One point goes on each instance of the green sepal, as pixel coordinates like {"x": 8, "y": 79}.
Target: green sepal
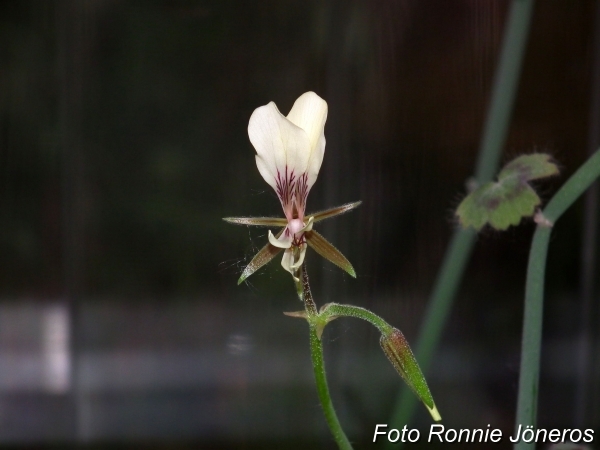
{"x": 257, "y": 221}
{"x": 328, "y": 251}
{"x": 332, "y": 212}
{"x": 266, "y": 254}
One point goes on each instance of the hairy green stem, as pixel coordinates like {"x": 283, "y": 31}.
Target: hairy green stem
{"x": 534, "y": 293}
{"x": 316, "y": 354}
{"x": 333, "y": 310}
{"x": 492, "y": 142}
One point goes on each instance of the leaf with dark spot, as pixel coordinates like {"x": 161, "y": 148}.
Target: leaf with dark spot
{"x": 505, "y": 202}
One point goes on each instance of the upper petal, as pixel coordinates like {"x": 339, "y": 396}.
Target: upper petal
{"x": 279, "y": 144}
{"x": 310, "y": 113}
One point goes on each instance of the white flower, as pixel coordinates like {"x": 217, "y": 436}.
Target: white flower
{"x": 290, "y": 151}
{"x": 289, "y": 155}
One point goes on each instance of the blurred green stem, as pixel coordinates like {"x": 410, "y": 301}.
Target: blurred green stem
{"x": 534, "y": 293}
{"x": 461, "y": 245}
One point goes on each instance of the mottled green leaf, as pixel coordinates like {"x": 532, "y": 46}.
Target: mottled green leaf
{"x": 529, "y": 167}
{"x": 505, "y": 202}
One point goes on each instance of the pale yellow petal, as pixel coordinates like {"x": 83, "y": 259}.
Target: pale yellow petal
{"x": 284, "y": 241}
{"x": 288, "y": 260}
{"x": 309, "y": 224}
{"x": 298, "y": 263}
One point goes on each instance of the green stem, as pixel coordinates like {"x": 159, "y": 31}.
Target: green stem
{"x": 333, "y": 310}
{"x": 316, "y": 353}
{"x": 492, "y": 142}
{"x": 534, "y": 293}
{"x": 309, "y": 303}
{"x": 579, "y": 182}
{"x": 532, "y": 332}
{"x": 506, "y": 82}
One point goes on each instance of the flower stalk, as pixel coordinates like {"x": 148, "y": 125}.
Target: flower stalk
{"x": 534, "y": 292}
{"x": 316, "y": 353}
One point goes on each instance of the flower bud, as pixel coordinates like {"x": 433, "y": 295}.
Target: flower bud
{"x": 396, "y": 348}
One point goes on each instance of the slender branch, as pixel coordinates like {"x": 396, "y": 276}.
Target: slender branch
{"x": 493, "y": 139}
{"x": 534, "y": 294}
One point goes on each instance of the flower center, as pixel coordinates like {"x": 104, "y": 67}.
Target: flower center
{"x": 295, "y": 225}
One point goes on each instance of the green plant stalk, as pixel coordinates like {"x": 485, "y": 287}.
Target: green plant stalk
{"x": 534, "y": 293}
{"x": 461, "y": 246}
{"x": 504, "y": 92}
{"x": 333, "y": 310}
{"x": 532, "y": 332}
{"x": 316, "y": 354}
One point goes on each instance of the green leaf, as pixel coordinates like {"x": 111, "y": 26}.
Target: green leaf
{"x": 529, "y": 167}
{"x": 505, "y": 202}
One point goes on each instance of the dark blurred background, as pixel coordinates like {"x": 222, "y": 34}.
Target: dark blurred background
{"x": 123, "y": 143}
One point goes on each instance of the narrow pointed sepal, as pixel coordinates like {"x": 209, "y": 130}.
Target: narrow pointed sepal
{"x": 396, "y": 348}
{"x": 257, "y": 221}
{"x": 332, "y": 212}
{"x": 266, "y": 254}
{"x": 326, "y": 249}
{"x": 298, "y": 314}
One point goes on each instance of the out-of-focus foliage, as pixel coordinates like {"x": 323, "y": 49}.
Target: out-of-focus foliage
{"x": 505, "y": 202}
